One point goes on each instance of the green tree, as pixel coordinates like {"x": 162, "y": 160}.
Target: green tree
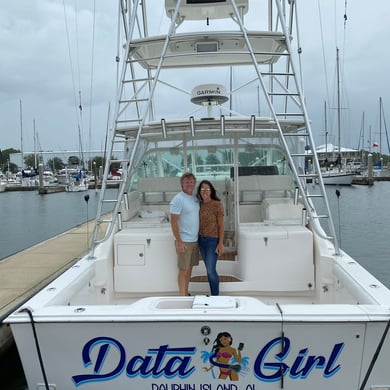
{"x": 212, "y": 159}
{"x": 73, "y": 160}
{"x": 29, "y": 160}
{"x": 5, "y": 160}
{"x": 55, "y": 163}
{"x": 98, "y": 160}
{"x": 13, "y": 168}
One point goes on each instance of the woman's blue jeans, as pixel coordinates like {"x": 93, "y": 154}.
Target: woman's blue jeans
{"x": 207, "y": 248}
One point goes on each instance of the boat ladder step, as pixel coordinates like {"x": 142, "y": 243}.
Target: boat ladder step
{"x": 301, "y": 154}
{"x": 133, "y": 100}
{"x": 309, "y": 175}
{"x": 277, "y": 74}
{"x": 120, "y": 140}
{"x": 100, "y": 221}
{"x": 283, "y": 93}
{"x": 278, "y": 114}
{"x": 119, "y": 161}
{"x": 109, "y": 200}
{"x": 140, "y": 80}
{"x": 296, "y": 134}
{"x": 323, "y": 216}
{"x": 128, "y": 121}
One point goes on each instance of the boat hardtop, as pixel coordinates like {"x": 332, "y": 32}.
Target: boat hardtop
{"x": 212, "y": 88}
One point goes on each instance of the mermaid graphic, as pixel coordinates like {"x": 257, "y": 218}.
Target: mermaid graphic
{"x": 225, "y": 357}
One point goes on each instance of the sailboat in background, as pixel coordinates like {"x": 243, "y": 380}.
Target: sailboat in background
{"x": 76, "y": 179}
{"x": 379, "y": 169}
{"x": 76, "y": 183}
{"x": 337, "y": 174}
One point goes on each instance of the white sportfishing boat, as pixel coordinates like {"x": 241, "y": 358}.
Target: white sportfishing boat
{"x": 295, "y": 311}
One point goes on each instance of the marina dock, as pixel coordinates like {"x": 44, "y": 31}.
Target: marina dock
{"x": 28, "y": 271}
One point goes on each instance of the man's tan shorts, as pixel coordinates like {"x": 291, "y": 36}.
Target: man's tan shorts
{"x": 189, "y": 257}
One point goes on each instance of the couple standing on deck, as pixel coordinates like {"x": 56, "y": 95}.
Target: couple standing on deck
{"x": 197, "y": 222}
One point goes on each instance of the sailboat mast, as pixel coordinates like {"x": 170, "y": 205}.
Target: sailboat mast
{"x": 35, "y": 146}
{"x": 326, "y": 129}
{"x": 380, "y": 127}
{"x": 338, "y": 102}
{"x": 364, "y": 126}
{"x": 21, "y": 132}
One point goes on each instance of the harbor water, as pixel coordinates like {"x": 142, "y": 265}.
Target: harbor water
{"x": 28, "y": 218}
{"x": 361, "y": 215}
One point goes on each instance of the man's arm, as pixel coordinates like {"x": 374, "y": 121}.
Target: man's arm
{"x": 180, "y": 246}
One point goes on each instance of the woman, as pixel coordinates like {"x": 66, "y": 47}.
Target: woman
{"x": 227, "y": 358}
{"x": 211, "y": 231}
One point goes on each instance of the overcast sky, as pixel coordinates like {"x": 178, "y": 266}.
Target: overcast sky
{"x": 39, "y": 69}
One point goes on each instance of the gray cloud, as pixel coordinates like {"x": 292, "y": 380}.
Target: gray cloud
{"x": 35, "y": 67}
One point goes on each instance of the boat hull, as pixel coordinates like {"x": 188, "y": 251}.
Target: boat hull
{"x": 171, "y": 354}
{"x": 295, "y": 312}
{"x": 338, "y": 178}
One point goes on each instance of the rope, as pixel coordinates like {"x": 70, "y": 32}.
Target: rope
{"x": 78, "y": 104}
{"x": 384, "y": 124}
{"x": 345, "y": 14}
{"x": 92, "y": 74}
{"x": 343, "y": 96}
{"x": 323, "y": 52}
{"x": 28, "y": 311}
{"x": 294, "y": 5}
{"x": 70, "y": 61}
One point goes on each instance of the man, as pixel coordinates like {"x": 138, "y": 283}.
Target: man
{"x": 184, "y": 210}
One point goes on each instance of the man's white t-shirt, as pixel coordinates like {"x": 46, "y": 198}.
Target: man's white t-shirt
{"x": 187, "y": 206}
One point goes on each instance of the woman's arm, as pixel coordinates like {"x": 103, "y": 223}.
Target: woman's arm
{"x": 221, "y": 231}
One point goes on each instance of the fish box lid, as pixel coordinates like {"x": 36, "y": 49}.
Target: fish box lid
{"x": 214, "y": 302}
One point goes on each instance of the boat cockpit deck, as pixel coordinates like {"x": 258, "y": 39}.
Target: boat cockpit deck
{"x": 270, "y": 238}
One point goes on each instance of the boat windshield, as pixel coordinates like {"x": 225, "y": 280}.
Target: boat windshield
{"x": 212, "y": 162}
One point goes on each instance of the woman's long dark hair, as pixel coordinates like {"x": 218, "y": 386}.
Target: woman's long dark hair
{"x": 217, "y": 343}
{"x": 213, "y": 194}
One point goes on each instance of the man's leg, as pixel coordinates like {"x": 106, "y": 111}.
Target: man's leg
{"x": 182, "y": 281}
{"x": 189, "y": 273}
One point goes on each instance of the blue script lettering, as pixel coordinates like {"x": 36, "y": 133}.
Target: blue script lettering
{"x": 159, "y": 365}
{"x": 272, "y": 370}
{"x": 104, "y": 343}
{"x": 166, "y": 361}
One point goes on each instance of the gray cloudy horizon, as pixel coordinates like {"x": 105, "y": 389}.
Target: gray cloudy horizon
{"x": 35, "y": 69}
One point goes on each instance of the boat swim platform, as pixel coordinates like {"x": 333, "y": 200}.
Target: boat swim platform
{"x": 28, "y": 271}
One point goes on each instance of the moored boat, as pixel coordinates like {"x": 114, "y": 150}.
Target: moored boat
{"x": 77, "y": 182}
{"x": 3, "y": 182}
{"x": 294, "y": 310}
{"x": 335, "y": 177}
